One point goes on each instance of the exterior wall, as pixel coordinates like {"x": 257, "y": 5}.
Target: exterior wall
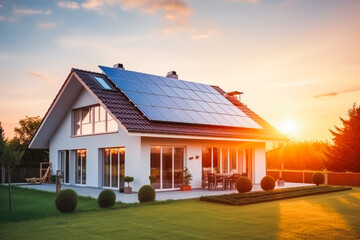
{"x": 63, "y": 140}
{"x": 193, "y": 148}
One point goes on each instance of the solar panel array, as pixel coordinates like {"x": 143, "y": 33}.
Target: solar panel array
{"x": 171, "y": 100}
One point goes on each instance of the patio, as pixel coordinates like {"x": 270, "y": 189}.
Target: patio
{"x": 160, "y": 196}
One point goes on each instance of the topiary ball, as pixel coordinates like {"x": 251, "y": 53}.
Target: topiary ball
{"x": 146, "y": 194}
{"x": 318, "y": 178}
{"x": 243, "y": 185}
{"x": 66, "y": 200}
{"x": 106, "y": 198}
{"x": 267, "y": 183}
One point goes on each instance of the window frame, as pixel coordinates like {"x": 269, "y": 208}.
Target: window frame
{"x": 77, "y": 114}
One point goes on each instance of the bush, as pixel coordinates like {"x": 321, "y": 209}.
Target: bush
{"x": 146, "y": 194}
{"x": 128, "y": 180}
{"x": 106, "y": 198}
{"x": 66, "y": 200}
{"x": 318, "y": 178}
{"x": 243, "y": 185}
{"x": 121, "y": 189}
{"x": 267, "y": 183}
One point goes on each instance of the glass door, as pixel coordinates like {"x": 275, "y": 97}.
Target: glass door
{"x": 167, "y": 165}
{"x": 113, "y": 167}
{"x": 80, "y": 167}
{"x": 64, "y": 165}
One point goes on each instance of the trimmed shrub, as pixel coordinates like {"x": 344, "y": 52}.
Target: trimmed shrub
{"x": 267, "y": 183}
{"x": 106, "y": 198}
{"x": 66, "y": 200}
{"x": 146, "y": 194}
{"x": 243, "y": 185}
{"x": 318, "y": 178}
{"x": 121, "y": 189}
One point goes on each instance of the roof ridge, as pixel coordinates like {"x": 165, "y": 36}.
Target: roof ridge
{"x": 87, "y": 71}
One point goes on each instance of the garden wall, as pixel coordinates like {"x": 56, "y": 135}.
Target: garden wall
{"x": 331, "y": 178}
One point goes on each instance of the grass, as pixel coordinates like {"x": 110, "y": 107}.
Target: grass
{"x": 277, "y": 194}
{"x": 326, "y": 216}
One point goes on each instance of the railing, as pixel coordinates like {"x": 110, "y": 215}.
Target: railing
{"x": 331, "y": 178}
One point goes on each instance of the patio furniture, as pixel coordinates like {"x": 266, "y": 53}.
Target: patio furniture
{"x": 204, "y": 181}
{"x": 210, "y": 180}
{"x": 233, "y": 180}
{"x": 43, "y": 177}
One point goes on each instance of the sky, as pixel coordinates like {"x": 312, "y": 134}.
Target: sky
{"x": 297, "y": 61}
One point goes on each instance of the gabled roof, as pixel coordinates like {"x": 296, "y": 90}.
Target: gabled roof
{"x": 135, "y": 122}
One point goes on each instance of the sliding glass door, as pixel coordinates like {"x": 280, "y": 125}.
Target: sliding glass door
{"x": 167, "y": 164}
{"x": 113, "y": 167}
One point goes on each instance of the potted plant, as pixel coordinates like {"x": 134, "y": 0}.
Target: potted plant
{"x": 280, "y": 182}
{"x": 152, "y": 179}
{"x": 128, "y": 180}
{"x": 187, "y": 177}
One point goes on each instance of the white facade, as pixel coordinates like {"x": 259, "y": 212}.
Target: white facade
{"x": 137, "y": 150}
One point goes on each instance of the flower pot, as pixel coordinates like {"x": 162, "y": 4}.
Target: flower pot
{"x": 280, "y": 183}
{"x": 127, "y": 190}
{"x": 185, "y": 188}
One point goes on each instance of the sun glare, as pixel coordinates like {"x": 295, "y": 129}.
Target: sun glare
{"x": 289, "y": 127}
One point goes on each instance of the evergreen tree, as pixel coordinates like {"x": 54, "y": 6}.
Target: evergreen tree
{"x": 344, "y": 154}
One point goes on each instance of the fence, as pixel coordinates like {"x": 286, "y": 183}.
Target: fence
{"x": 331, "y": 178}
{"x": 18, "y": 175}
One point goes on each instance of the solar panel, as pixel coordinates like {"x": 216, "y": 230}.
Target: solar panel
{"x": 170, "y": 100}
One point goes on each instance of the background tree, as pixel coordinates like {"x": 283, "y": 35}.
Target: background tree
{"x": 23, "y": 134}
{"x": 297, "y": 155}
{"x": 2, "y": 140}
{"x": 344, "y": 154}
{"x": 10, "y": 158}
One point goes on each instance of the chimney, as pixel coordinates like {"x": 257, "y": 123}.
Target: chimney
{"x": 119, "y": 65}
{"x": 235, "y": 94}
{"x": 172, "y": 74}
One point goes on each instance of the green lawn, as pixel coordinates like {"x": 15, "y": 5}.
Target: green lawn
{"x": 326, "y": 216}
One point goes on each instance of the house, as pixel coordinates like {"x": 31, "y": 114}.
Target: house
{"x": 103, "y": 126}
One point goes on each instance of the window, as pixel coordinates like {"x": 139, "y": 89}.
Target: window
{"x": 226, "y": 160}
{"x": 103, "y": 83}
{"x": 93, "y": 120}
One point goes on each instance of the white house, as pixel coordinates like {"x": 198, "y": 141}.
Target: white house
{"x": 103, "y": 126}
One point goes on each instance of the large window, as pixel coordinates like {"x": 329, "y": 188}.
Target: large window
{"x": 93, "y": 120}
{"x": 80, "y": 167}
{"x": 113, "y": 167}
{"x": 226, "y": 160}
{"x": 167, "y": 164}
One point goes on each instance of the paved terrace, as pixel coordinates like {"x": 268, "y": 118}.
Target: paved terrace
{"x": 160, "y": 196}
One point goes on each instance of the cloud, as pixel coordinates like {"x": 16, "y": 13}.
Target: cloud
{"x": 26, "y": 11}
{"x": 332, "y": 94}
{"x": 2, "y": 18}
{"x": 176, "y": 11}
{"x": 68, "y": 5}
{"x": 43, "y": 76}
{"x": 46, "y": 25}
{"x": 1, "y": 6}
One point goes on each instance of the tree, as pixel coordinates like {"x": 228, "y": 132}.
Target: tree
{"x": 10, "y": 158}
{"x": 297, "y": 155}
{"x": 23, "y": 135}
{"x": 344, "y": 154}
{"x": 2, "y": 140}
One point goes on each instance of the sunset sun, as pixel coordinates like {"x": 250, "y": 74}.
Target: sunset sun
{"x": 289, "y": 127}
